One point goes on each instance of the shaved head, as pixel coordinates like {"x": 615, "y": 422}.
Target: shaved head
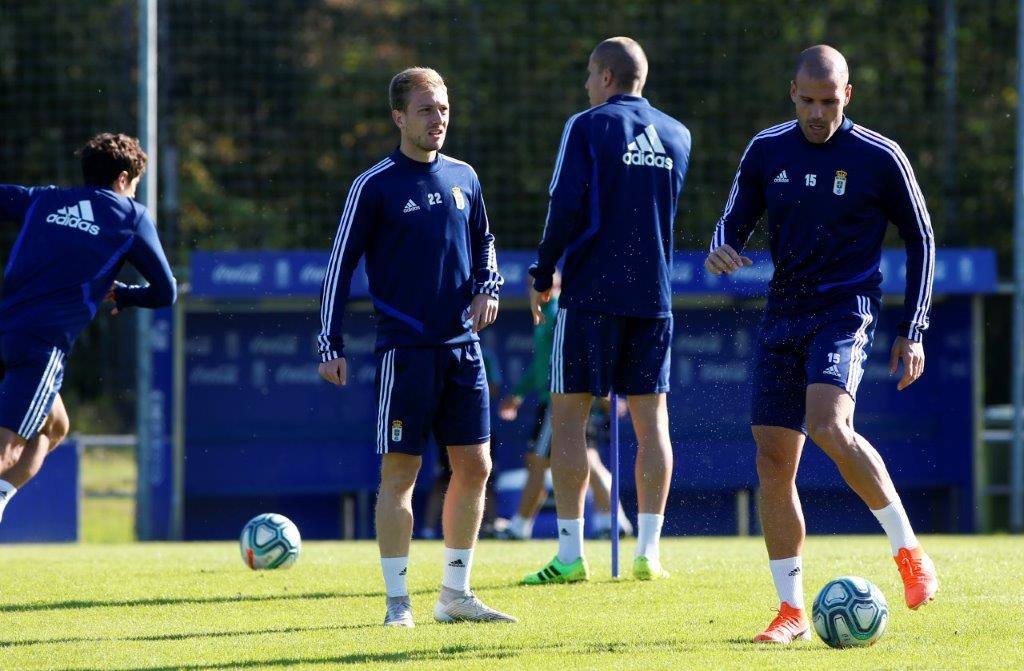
{"x": 821, "y": 91}
{"x": 626, "y": 61}
{"x": 822, "y": 62}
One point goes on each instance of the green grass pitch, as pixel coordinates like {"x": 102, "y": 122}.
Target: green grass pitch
{"x": 195, "y": 606}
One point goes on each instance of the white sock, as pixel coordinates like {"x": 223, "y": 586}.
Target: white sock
{"x": 520, "y": 527}
{"x": 7, "y": 492}
{"x": 896, "y": 524}
{"x": 394, "y": 569}
{"x": 602, "y": 521}
{"x": 570, "y": 540}
{"x": 457, "y": 565}
{"x": 788, "y": 575}
{"x": 648, "y": 536}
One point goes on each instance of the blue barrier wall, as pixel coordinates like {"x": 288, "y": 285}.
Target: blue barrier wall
{"x": 46, "y": 510}
{"x": 263, "y": 432}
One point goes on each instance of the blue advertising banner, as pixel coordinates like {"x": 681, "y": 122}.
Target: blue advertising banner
{"x": 263, "y": 431}
{"x": 263, "y": 428}
{"x": 48, "y": 510}
{"x": 293, "y": 274}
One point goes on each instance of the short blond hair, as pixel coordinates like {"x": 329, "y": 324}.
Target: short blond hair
{"x": 412, "y": 79}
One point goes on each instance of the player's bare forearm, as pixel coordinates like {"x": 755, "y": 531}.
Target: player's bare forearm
{"x": 725, "y": 259}
{"x": 334, "y": 371}
{"x": 483, "y": 311}
{"x": 912, "y": 355}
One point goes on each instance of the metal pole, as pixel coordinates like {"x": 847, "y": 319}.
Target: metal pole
{"x": 949, "y": 72}
{"x": 614, "y": 459}
{"x": 147, "y": 196}
{"x": 1017, "y": 456}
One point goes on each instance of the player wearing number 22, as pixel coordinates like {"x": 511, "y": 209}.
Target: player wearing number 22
{"x": 829, "y": 188}
{"x": 418, "y": 217}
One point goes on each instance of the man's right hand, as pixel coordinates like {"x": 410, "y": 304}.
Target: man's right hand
{"x": 508, "y": 409}
{"x": 538, "y": 298}
{"x": 725, "y": 260}
{"x": 334, "y": 371}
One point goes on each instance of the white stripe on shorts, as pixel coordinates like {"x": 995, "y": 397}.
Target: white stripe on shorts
{"x": 387, "y": 383}
{"x": 557, "y": 381}
{"x": 860, "y": 339}
{"x": 32, "y": 420}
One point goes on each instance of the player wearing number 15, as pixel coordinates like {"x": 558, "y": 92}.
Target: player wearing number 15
{"x": 418, "y": 216}
{"x": 829, "y": 188}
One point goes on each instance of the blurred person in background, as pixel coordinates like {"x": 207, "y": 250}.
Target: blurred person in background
{"x": 443, "y": 470}
{"x": 538, "y": 457}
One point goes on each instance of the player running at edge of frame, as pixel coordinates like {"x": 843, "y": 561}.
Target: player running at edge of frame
{"x": 617, "y": 179}
{"x": 72, "y": 244}
{"x": 829, "y": 188}
{"x": 419, "y": 218}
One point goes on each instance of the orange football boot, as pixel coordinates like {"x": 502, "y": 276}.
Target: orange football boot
{"x": 789, "y": 625}
{"x": 918, "y": 572}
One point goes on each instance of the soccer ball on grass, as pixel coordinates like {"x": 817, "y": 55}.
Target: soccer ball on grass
{"x": 270, "y": 541}
{"x": 850, "y": 612}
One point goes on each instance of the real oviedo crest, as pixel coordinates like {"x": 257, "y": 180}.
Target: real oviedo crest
{"x": 839, "y": 186}
{"x": 460, "y": 199}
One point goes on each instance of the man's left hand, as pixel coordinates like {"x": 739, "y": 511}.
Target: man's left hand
{"x": 912, "y": 355}
{"x": 483, "y": 311}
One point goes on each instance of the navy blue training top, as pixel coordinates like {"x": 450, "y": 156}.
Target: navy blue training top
{"x": 423, "y": 229}
{"x": 72, "y": 244}
{"x": 828, "y": 206}
{"x": 618, "y": 175}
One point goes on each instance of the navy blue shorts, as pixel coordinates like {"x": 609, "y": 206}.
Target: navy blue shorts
{"x": 793, "y": 351}
{"x": 596, "y": 352}
{"x": 31, "y": 372}
{"x": 424, "y": 390}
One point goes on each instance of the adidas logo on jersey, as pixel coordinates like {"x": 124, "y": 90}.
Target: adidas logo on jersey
{"x": 781, "y": 178}
{"x": 410, "y": 207}
{"x": 647, "y": 149}
{"x": 832, "y": 370}
{"x": 78, "y": 216}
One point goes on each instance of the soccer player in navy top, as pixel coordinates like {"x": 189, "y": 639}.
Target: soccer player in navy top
{"x": 71, "y": 246}
{"x": 418, "y": 217}
{"x": 829, "y": 188}
{"x": 618, "y": 175}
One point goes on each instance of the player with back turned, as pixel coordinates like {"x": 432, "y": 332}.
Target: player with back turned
{"x": 829, "y": 188}
{"x": 72, "y": 244}
{"x": 618, "y": 176}
{"x": 418, "y": 217}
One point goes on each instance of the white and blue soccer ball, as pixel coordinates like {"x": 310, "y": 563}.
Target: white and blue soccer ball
{"x": 850, "y": 612}
{"x": 270, "y": 541}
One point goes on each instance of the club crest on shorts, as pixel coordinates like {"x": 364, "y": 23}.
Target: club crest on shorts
{"x": 396, "y": 431}
{"x": 839, "y": 186}
{"x": 460, "y": 199}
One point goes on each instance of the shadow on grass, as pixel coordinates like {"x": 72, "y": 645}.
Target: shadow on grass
{"x": 444, "y": 654}
{"x": 75, "y": 604}
{"x": 749, "y": 644}
{"x": 181, "y": 636}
